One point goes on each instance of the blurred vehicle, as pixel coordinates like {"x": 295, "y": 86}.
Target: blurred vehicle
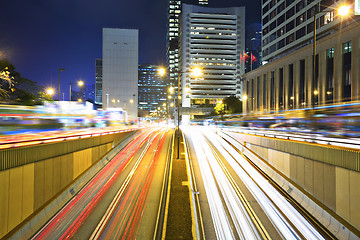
{"x": 333, "y": 120}
{"x": 51, "y": 115}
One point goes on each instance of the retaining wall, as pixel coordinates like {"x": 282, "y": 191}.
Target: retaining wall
{"x": 32, "y": 176}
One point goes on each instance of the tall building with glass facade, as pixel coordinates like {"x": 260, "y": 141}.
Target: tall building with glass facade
{"x": 152, "y": 90}
{"x": 212, "y": 39}
{"x": 120, "y": 70}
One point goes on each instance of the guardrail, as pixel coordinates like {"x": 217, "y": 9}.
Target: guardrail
{"x": 29, "y": 151}
{"x": 333, "y": 155}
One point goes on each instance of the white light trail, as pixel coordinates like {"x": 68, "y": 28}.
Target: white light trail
{"x": 263, "y": 190}
{"x": 208, "y": 165}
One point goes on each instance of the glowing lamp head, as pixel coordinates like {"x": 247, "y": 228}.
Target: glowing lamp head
{"x": 161, "y": 71}
{"x": 196, "y": 72}
{"x": 80, "y": 83}
{"x": 344, "y": 10}
{"x": 245, "y": 97}
{"x": 50, "y": 91}
{"x": 316, "y": 92}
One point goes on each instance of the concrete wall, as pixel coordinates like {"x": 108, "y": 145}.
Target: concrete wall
{"x": 335, "y": 187}
{"x": 27, "y": 188}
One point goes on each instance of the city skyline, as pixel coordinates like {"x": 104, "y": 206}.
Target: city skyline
{"x": 45, "y": 36}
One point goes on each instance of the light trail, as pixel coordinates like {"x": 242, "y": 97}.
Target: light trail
{"x": 226, "y": 208}
{"x": 68, "y": 220}
{"x": 124, "y": 214}
{"x": 217, "y": 188}
{"x": 262, "y": 190}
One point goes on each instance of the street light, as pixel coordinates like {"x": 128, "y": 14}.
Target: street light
{"x": 342, "y": 11}
{"x": 60, "y": 70}
{"x": 50, "y": 91}
{"x": 161, "y": 71}
{"x": 196, "y": 72}
{"x": 80, "y": 84}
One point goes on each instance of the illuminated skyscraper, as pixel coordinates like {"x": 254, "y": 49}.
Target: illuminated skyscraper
{"x": 152, "y": 90}
{"x": 212, "y": 39}
{"x": 98, "y": 81}
{"x": 174, "y": 12}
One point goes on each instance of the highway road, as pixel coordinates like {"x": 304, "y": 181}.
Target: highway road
{"x": 232, "y": 199}
{"x": 235, "y": 201}
{"x": 124, "y": 200}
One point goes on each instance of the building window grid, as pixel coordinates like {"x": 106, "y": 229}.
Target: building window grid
{"x": 306, "y": 21}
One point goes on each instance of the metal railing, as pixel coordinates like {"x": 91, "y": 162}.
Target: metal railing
{"x": 42, "y": 150}
{"x": 333, "y": 155}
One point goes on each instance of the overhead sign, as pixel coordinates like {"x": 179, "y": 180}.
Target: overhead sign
{"x": 357, "y": 7}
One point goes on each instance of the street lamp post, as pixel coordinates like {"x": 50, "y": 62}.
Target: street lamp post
{"x": 196, "y": 72}
{"x": 107, "y": 100}
{"x": 60, "y": 70}
{"x": 70, "y": 93}
{"x": 178, "y": 118}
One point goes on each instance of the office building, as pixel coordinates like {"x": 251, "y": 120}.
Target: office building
{"x": 289, "y": 24}
{"x": 212, "y": 39}
{"x": 172, "y": 52}
{"x": 120, "y": 70}
{"x": 98, "y": 81}
{"x": 152, "y": 91}
{"x": 301, "y": 73}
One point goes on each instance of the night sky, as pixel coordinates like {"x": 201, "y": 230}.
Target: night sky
{"x": 39, "y": 36}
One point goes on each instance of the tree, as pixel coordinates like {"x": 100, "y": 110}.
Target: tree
{"x": 228, "y": 105}
{"x": 233, "y": 105}
{"x": 220, "y": 108}
{"x": 16, "y": 89}
{"x": 6, "y": 82}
